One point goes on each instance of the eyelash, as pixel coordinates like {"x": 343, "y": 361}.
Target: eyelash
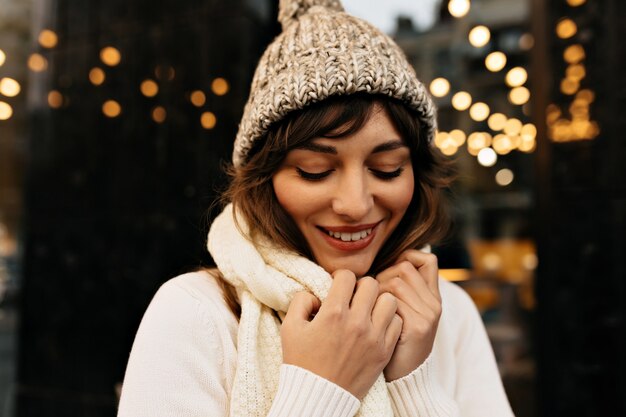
{"x": 383, "y": 175}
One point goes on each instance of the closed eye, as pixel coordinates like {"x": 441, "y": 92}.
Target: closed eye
{"x": 387, "y": 175}
{"x": 313, "y": 176}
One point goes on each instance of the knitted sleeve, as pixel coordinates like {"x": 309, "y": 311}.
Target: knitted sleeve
{"x": 181, "y": 363}
{"x": 478, "y": 391}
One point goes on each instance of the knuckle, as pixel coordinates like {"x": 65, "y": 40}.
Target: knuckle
{"x": 344, "y": 274}
{"x": 396, "y": 284}
{"x": 406, "y": 267}
{"x": 359, "y": 328}
{"x": 335, "y": 312}
{"x": 368, "y": 282}
{"x": 431, "y": 258}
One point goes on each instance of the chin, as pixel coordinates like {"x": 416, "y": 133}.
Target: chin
{"x": 359, "y": 267}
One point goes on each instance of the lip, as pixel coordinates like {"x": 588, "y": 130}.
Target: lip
{"x": 350, "y": 246}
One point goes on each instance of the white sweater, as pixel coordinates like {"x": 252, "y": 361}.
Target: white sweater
{"x": 184, "y": 358}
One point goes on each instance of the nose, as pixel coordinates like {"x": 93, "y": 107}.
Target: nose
{"x": 353, "y": 198}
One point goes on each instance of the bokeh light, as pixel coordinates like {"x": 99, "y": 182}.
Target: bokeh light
{"x": 569, "y": 86}
{"x": 576, "y": 3}
{"x": 487, "y": 157}
{"x": 55, "y": 99}
{"x": 6, "y": 111}
{"x": 149, "y": 88}
{"x": 219, "y": 86}
{"x": 566, "y": 28}
{"x": 495, "y": 61}
{"x": 576, "y": 72}
{"x": 479, "y": 111}
{"x": 159, "y": 114}
{"x": 439, "y": 87}
{"x": 9, "y": 87}
{"x": 3, "y": 57}
{"x": 496, "y": 121}
{"x": 519, "y": 95}
{"x": 504, "y": 177}
{"x": 110, "y": 56}
{"x": 97, "y": 76}
{"x": 198, "y": 98}
{"x": 458, "y": 136}
{"x": 502, "y": 144}
{"x": 512, "y": 127}
{"x": 516, "y": 77}
{"x": 479, "y": 36}
{"x": 573, "y": 54}
{"x": 48, "y": 38}
{"x": 461, "y": 100}
{"x": 458, "y": 8}
{"x": 111, "y": 108}
{"x": 208, "y": 120}
{"x": 526, "y": 41}
{"x": 37, "y": 62}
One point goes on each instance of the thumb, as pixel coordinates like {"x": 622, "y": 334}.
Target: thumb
{"x": 302, "y": 306}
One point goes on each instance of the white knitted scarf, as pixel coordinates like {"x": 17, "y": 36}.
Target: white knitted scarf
{"x": 267, "y": 278}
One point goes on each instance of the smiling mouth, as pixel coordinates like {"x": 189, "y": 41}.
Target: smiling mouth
{"x": 349, "y": 237}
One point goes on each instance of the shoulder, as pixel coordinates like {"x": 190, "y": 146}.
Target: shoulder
{"x": 455, "y": 299}
{"x": 194, "y": 295}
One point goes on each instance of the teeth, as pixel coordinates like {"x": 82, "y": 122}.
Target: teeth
{"x": 350, "y": 237}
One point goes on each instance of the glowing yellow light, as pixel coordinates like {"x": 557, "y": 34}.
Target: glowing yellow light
{"x": 97, "y": 76}
{"x": 110, "y": 56}
{"x": 6, "y": 111}
{"x": 496, "y": 121}
{"x": 458, "y": 8}
{"x": 502, "y": 144}
{"x": 37, "y": 63}
{"x": 479, "y": 36}
{"x": 3, "y": 57}
{"x": 587, "y": 95}
{"x": 458, "y": 136}
{"x": 159, "y": 114}
{"x": 208, "y": 120}
{"x": 9, "y": 87}
{"x": 576, "y": 3}
{"x": 576, "y": 72}
{"x": 439, "y": 87}
{"x": 569, "y": 86}
{"x": 149, "y": 88}
{"x": 461, "y": 100}
{"x": 220, "y": 86}
{"x": 573, "y": 54}
{"x": 566, "y": 28}
{"x": 516, "y": 76}
{"x": 479, "y": 111}
{"x": 519, "y": 95}
{"x": 441, "y": 138}
{"x": 526, "y": 41}
{"x": 449, "y": 150}
{"x": 504, "y": 177}
{"x": 528, "y": 131}
{"x": 487, "y": 157}
{"x": 55, "y": 99}
{"x": 477, "y": 141}
{"x": 111, "y": 108}
{"x": 579, "y": 109}
{"x": 527, "y": 144}
{"x": 48, "y": 39}
{"x": 512, "y": 127}
{"x": 198, "y": 98}
{"x": 495, "y": 61}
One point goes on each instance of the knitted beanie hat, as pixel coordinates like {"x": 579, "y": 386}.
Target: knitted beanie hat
{"x": 323, "y": 52}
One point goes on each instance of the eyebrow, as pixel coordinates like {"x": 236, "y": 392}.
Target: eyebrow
{"x": 383, "y": 147}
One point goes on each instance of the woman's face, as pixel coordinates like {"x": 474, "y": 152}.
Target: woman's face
{"x": 347, "y": 195}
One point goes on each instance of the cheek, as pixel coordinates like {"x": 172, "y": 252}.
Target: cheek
{"x": 291, "y": 196}
{"x": 399, "y": 195}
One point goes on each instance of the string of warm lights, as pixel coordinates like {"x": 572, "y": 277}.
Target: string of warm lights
{"x": 578, "y": 126}
{"x": 507, "y": 134}
{"x": 110, "y": 57}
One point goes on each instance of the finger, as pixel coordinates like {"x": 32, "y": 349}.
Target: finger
{"x": 365, "y": 296}
{"x": 427, "y": 265}
{"x": 383, "y": 312}
{"x": 393, "y": 331}
{"x": 416, "y": 298}
{"x": 408, "y": 273}
{"x": 342, "y": 288}
{"x": 302, "y": 306}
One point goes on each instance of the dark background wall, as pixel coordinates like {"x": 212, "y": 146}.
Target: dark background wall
{"x": 116, "y": 206}
{"x": 581, "y": 221}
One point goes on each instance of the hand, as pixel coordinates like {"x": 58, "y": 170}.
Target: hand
{"x": 413, "y": 280}
{"x": 350, "y": 339}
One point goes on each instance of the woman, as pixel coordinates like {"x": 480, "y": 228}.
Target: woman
{"x": 321, "y": 305}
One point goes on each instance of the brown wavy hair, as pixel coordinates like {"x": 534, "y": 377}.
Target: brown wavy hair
{"x": 251, "y": 191}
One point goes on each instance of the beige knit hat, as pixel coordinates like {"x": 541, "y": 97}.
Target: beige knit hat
{"x": 324, "y": 52}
